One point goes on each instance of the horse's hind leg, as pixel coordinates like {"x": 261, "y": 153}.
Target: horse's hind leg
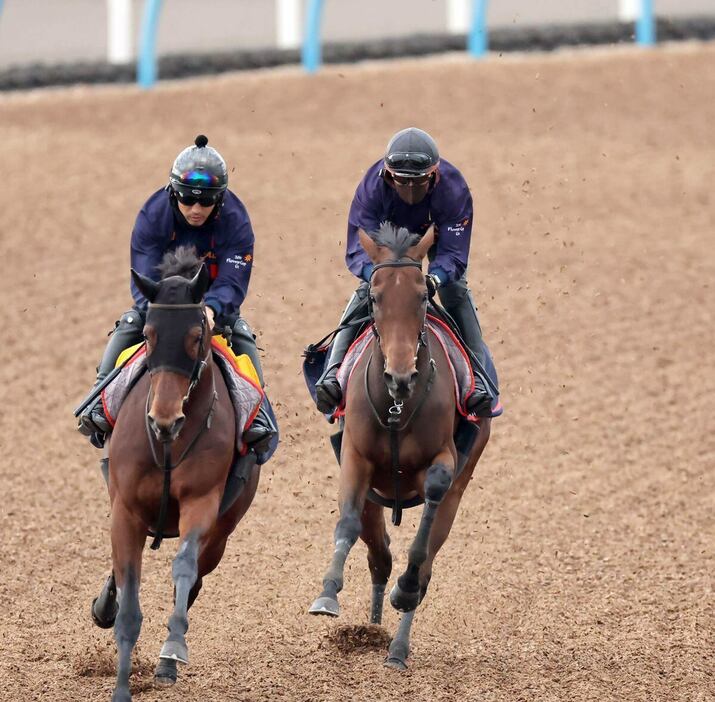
{"x": 128, "y": 537}
{"x": 379, "y": 558}
{"x": 405, "y": 595}
{"x": 355, "y": 476}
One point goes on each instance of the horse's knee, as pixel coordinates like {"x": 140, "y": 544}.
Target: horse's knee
{"x": 348, "y": 527}
{"x": 437, "y": 483}
{"x": 186, "y": 561}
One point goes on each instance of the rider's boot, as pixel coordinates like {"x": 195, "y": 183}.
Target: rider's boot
{"x": 460, "y": 306}
{"x": 127, "y": 332}
{"x": 327, "y": 389}
{"x": 258, "y": 436}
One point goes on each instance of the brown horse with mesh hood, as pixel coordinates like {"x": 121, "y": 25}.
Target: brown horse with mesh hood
{"x": 180, "y": 409}
{"x": 403, "y": 377}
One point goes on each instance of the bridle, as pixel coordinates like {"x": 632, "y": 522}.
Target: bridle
{"x": 422, "y": 339}
{"x": 180, "y": 366}
{"x": 395, "y": 411}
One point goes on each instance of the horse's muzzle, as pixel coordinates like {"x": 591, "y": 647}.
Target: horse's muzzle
{"x": 400, "y": 385}
{"x": 166, "y": 431}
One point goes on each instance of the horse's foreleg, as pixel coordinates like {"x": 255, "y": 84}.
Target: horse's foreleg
{"x": 379, "y": 558}
{"x": 195, "y": 520}
{"x": 400, "y": 645}
{"x": 448, "y": 508}
{"x": 128, "y": 537}
{"x": 355, "y": 473}
{"x": 405, "y": 595}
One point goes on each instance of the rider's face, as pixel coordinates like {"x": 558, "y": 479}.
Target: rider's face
{"x": 195, "y": 214}
{"x": 411, "y": 190}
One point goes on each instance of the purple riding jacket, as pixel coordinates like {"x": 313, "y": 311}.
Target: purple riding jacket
{"x": 448, "y": 206}
{"x": 226, "y": 241}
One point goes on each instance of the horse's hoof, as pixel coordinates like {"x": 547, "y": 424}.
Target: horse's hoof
{"x": 175, "y": 651}
{"x": 164, "y": 681}
{"x": 122, "y": 696}
{"x": 395, "y": 663}
{"x": 325, "y": 605}
{"x": 104, "y": 620}
{"x": 165, "y": 674}
{"x": 404, "y": 601}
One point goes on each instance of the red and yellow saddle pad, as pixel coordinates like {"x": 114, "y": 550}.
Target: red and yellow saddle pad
{"x": 241, "y": 363}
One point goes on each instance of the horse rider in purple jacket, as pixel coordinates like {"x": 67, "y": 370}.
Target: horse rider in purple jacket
{"x": 412, "y": 187}
{"x": 194, "y": 209}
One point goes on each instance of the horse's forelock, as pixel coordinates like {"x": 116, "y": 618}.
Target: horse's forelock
{"x": 398, "y": 240}
{"x": 183, "y": 262}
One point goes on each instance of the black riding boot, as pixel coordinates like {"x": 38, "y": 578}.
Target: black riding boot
{"x": 258, "y": 436}
{"x": 327, "y": 389}
{"x": 457, "y": 300}
{"x": 126, "y": 333}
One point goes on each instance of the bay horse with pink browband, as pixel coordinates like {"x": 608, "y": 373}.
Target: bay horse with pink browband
{"x": 177, "y": 419}
{"x": 400, "y": 400}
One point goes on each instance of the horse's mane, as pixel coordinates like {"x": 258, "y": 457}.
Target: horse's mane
{"x": 183, "y": 261}
{"x": 398, "y": 241}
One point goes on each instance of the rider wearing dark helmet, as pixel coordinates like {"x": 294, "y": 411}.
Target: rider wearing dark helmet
{"x": 412, "y": 187}
{"x": 194, "y": 209}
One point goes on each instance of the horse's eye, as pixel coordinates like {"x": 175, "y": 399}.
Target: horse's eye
{"x": 373, "y": 299}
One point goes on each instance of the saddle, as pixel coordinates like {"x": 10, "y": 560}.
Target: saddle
{"x": 238, "y": 372}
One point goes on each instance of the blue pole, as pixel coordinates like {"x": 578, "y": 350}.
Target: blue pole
{"x": 478, "y": 40}
{"x": 310, "y": 53}
{"x": 146, "y": 69}
{"x": 645, "y": 26}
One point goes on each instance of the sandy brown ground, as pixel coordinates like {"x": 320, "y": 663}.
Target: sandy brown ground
{"x": 581, "y": 564}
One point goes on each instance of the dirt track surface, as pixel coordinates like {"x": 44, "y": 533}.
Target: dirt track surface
{"x": 581, "y": 563}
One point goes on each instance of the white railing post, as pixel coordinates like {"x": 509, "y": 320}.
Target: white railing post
{"x": 119, "y": 31}
{"x": 288, "y": 24}
{"x": 458, "y": 16}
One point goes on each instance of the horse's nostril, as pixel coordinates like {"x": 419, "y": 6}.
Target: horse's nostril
{"x": 389, "y": 380}
{"x": 413, "y": 378}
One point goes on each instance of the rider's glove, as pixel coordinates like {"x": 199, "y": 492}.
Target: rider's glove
{"x": 433, "y": 282}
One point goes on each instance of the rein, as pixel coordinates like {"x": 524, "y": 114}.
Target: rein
{"x": 166, "y": 464}
{"x": 395, "y": 411}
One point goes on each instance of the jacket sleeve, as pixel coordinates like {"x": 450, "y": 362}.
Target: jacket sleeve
{"x": 146, "y": 251}
{"x": 453, "y": 227}
{"x": 235, "y": 262}
{"x": 364, "y": 214}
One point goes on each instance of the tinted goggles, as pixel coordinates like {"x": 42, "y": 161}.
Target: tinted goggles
{"x": 203, "y": 200}
{"x": 412, "y": 163}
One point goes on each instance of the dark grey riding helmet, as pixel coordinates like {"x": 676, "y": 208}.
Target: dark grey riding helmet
{"x": 411, "y": 153}
{"x": 199, "y": 174}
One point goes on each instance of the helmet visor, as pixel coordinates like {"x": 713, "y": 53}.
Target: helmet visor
{"x": 409, "y": 164}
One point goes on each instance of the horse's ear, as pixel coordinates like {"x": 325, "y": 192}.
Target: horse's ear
{"x": 200, "y": 284}
{"x": 147, "y": 286}
{"x": 368, "y": 243}
{"x": 420, "y": 249}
